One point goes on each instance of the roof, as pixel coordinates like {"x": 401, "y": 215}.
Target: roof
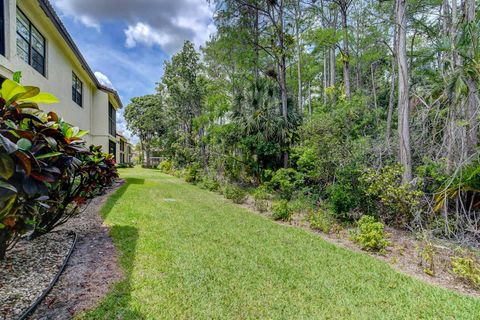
{"x": 52, "y": 15}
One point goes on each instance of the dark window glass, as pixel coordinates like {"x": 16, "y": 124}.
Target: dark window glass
{"x": 112, "y": 148}
{"x": 2, "y": 27}
{"x": 112, "y": 120}
{"x": 30, "y": 43}
{"x": 77, "y": 90}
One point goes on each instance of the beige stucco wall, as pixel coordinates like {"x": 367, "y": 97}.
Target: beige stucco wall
{"x": 59, "y": 66}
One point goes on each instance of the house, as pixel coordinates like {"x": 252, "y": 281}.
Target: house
{"x": 34, "y": 40}
{"x": 124, "y": 152}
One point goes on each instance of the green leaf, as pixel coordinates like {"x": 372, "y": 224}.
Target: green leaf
{"x": 24, "y": 144}
{"x": 8, "y": 87}
{"x": 17, "y": 76}
{"x": 8, "y": 186}
{"x": 7, "y": 166}
{"x": 42, "y": 97}
{"x": 2, "y": 226}
{"x": 48, "y": 155}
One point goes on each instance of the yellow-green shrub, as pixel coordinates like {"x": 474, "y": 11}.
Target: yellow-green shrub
{"x": 370, "y": 234}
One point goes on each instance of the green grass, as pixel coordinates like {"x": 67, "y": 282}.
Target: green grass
{"x": 202, "y": 257}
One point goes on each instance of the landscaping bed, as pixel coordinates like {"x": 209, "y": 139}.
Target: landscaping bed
{"x": 29, "y": 269}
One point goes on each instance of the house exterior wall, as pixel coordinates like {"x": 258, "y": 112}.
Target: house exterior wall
{"x": 60, "y": 62}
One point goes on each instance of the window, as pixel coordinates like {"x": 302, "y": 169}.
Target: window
{"x": 112, "y": 148}
{"x": 30, "y": 43}
{"x": 122, "y": 146}
{"x": 112, "y": 120}
{"x": 122, "y": 158}
{"x": 2, "y": 27}
{"x": 77, "y": 89}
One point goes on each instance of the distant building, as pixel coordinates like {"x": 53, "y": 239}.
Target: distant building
{"x": 34, "y": 40}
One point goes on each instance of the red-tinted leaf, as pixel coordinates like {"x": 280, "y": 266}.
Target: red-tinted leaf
{"x": 25, "y": 161}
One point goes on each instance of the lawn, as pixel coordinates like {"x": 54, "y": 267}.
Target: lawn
{"x": 190, "y": 254}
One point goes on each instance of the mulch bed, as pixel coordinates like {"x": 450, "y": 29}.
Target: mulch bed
{"x": 88, "y": 276}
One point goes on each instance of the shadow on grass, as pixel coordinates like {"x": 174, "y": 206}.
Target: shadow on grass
{"x": 117, "y": 195}
{"x": 117, "y": 304}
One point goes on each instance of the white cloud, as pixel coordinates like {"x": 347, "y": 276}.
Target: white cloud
{"x": 163, "y": 23}
{"x": 142, "y": 33}
{"x": 103, "y": 79}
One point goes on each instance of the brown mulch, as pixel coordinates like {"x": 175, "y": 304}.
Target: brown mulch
{"x": 404, "y": 253}
{"x": 92, "y": 268}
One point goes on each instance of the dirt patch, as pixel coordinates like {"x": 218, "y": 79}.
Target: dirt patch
{"x": 403, "y": 254}
{"x": 91, "y": 270}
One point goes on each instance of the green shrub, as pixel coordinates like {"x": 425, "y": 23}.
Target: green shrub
{"x": 281, "y": 211}
{"x": 234, "y": 193}
{"x": 467, "y": 268}
{"x": 166, "y": 166}
{"x": 323, "y": 220}
{"x": 262, "y": 199}
{"x": 284, "y": 181}
{"x": 397, "y": 202}
{"x": 370, "y": 234}
{"x": 210, "y": 184}
{"x": 193, "y": 174}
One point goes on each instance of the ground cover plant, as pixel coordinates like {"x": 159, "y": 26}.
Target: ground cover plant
{"x": 203, "y": 257}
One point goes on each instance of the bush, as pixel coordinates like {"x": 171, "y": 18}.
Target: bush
{"x": 262, "y": 199}
{"x": 46, "y": 171}
{"x": 284, "y": 181}
{"x": 370, "y": 234}
{"x": 234, "y": 193}
{"x": 323, "y": 220}
{"x": 281, "y": 211}
{"x": 193, "y": 174}
{"x": 397, "y": 203}
{"x": 467, "y": 268}
{"x": 166, "y": 166}
{"x": 210, "y": 184}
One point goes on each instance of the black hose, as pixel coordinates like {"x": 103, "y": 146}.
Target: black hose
{"x": 35, "y": 304}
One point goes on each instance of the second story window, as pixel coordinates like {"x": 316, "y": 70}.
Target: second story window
{"x": 30, "y": 43}
{"x": 112, "y": 120}
{"x": 77, "y": 89}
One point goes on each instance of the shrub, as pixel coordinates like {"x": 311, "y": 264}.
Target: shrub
{"x": 210, "y": 184}
{"x": 284, "y": 181}
{"x": 193, "y": 174}
{"x": 467, "y": 268}
{"x": 370, "y": 234}
{"x": 166, "y": 166}
{"x": 323, "y": 220}
{"x": 234, "y": 193}
{"x": 281, "y": 211}
{"x": 46, "y": 171}
{"x": 397, "y": 203}
{"x": 262, "y": 199}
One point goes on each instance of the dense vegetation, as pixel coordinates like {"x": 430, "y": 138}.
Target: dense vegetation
{"x": 47, "y": 173}
{"x": 354, "y": 107}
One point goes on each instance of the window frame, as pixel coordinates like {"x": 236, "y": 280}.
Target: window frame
{"x": 77, "y": 97}
{"x": 112, "y": 120}
{"x": 29, "y": 42}
{"x": 3, "y": 27}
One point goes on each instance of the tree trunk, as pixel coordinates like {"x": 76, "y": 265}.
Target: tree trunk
{"x": 403, "y": 91}
{"x": 472, "y": 104}
{"x": 299, "y": 56}
{"x": 374, "y": 89}
{"x": 346, "y": 51}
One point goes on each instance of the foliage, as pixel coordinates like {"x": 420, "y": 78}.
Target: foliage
{"x": 284, "y": 181}
{"x": 45, "y": 168}
{"x": 193, "y": 173}
{"x": 210, "y": 184}
{"x": 281, "y": 210}
{"x": 262, "y": 199}
{"x": 166, "y": 166}
{"x": 370, "y": 234}
{"x": 234, "y": 193}
{"x": 397, "y": 203}
{"x": 467, "y": 267}
{"x": 427, "y": 254}
{"x": 323, "y": 220}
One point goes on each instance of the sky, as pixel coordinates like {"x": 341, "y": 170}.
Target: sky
{"x": 126, "y": 42}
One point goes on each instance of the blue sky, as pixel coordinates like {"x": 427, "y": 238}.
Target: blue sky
{"x": 126, "y": 42}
